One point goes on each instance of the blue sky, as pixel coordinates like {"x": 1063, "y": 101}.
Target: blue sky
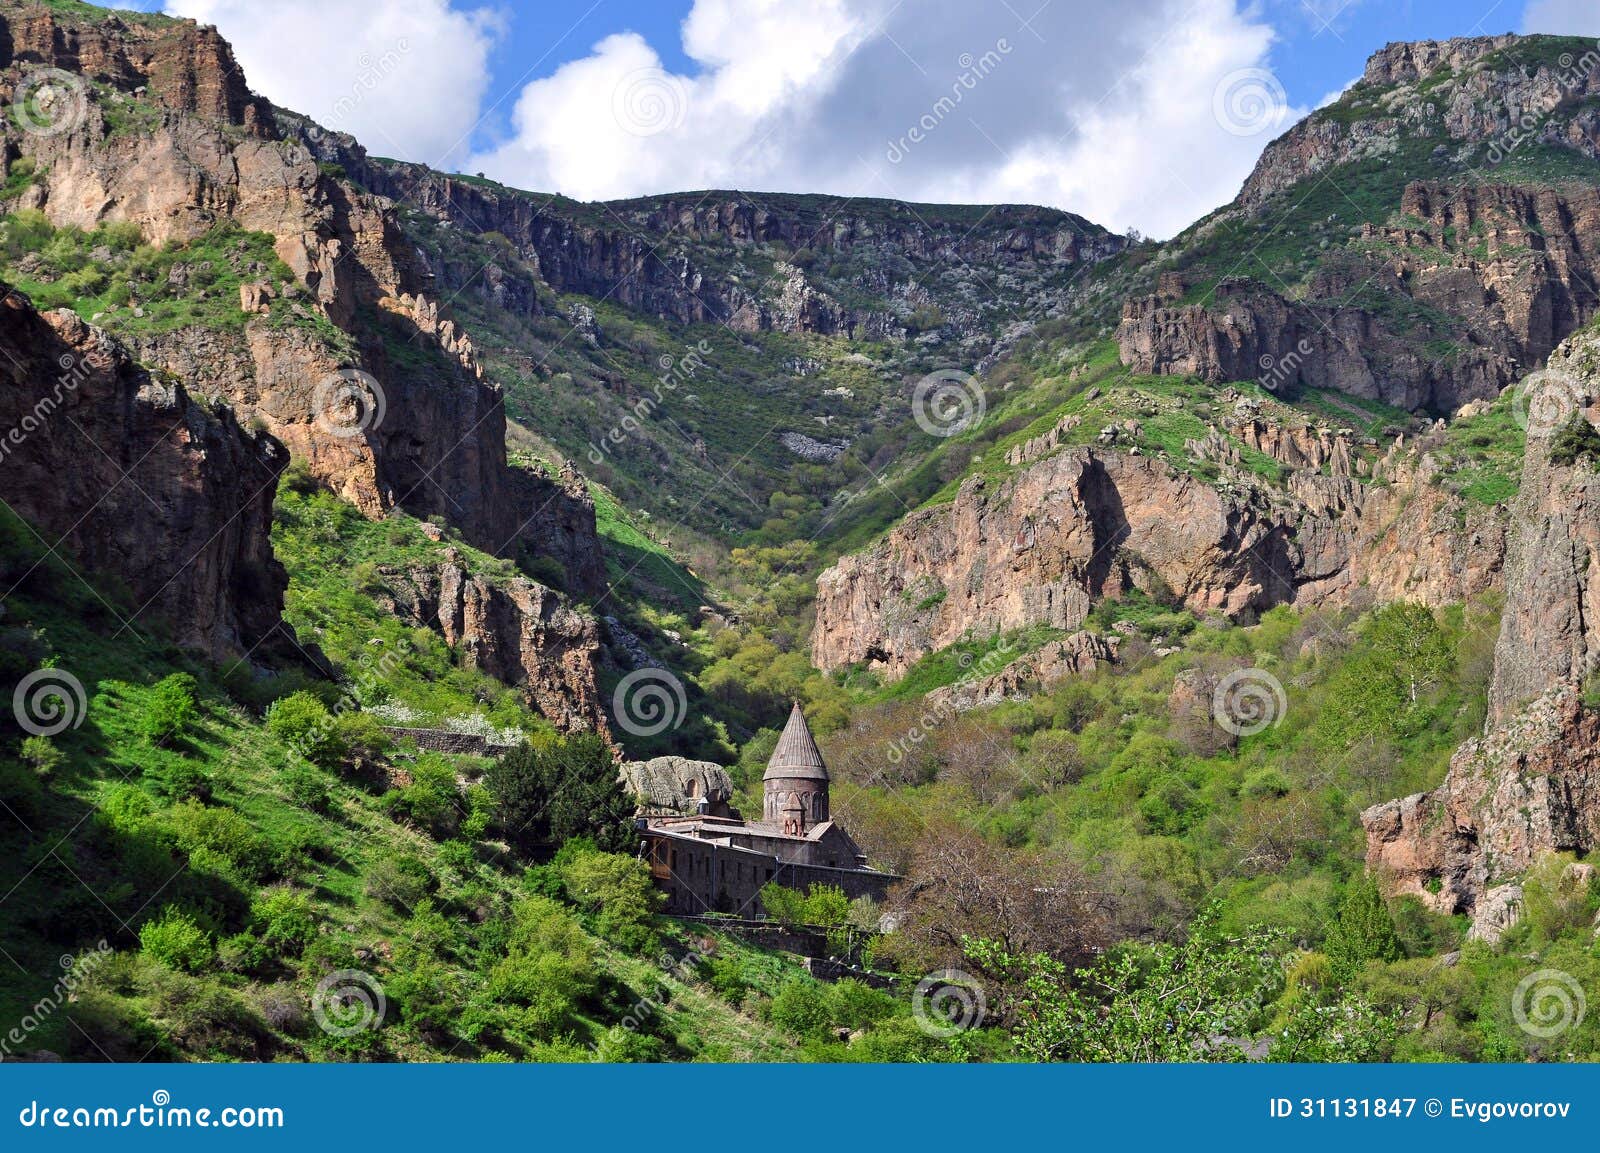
{"x": 1142, "y": 113}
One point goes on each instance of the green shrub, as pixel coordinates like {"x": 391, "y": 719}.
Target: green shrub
{"x": 176, "y": 941}
{"x": 629, "y": 1046}
{"x": 401, "y": 881}
{"x": 42, "y": 754}
{"x": 225, "y": 834}
{"x": 621, "y": 894}
{"x": 801, "y": 1007}
{"x": 303, "y": 722}
{"x": 307, "y": 787}
{"x": 169, "y": 709}
{"x": 1577, "y": 440}
{"x": 282, "y": 918}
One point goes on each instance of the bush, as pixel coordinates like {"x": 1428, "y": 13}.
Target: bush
{"x": 628, "y": 1046}
{"x": 283, "y": 920}
{"x": 223, "y": 834}
{"x": 42, "y": 754}
{"x": 401, "y": 881}
{"x": 432, "y": 799}
{"x": 303, "y": 722}
{"x": 801, "y": 1007}
{"x": 169, "y": 709}
{"x": 621, "y": 894}
{"x": 307, "y": 787}
{"x": 176, "y": 941}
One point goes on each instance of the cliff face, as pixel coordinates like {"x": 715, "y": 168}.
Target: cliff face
{"x": 676, "y": 257}
{"x": 139, "y": 482}
{"x": 1531, "y": 784}
{"x": 517, "y": 631}
{"x": 169, "y": 137}
{"x": 1467, "y": 92}
{"x": 374, "y": 388}
{"x": 1448, "y": 293}
{"x": 1081, "y": 523}
{"x": 1515, "y": 266}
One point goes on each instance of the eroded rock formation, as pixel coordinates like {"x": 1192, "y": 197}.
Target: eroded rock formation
{"x": 1039, "y": 547}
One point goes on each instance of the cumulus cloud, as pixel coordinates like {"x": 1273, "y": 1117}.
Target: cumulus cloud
{"x": 1146, "y": 114}
{"x": 1564, "y": 17}
{"x": 407, "y": 77}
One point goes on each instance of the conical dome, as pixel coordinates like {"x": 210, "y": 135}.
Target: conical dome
{"x": 797, "y": 755}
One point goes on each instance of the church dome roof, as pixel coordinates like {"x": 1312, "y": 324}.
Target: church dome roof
{"x": 797, "y": 754}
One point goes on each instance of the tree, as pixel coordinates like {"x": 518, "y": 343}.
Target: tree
{"x": 1160, "y": 1002}
{"x": 547, "y": 794}
{"x": 961, "y": 886}
{"x": 620, "y": 893}
{"x": 1362, "y": 932}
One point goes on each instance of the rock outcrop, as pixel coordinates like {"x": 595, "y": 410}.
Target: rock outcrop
{"x": 1462, "y": 290}
{"x": 1076, "y": 655}
{"x": 1531, "y": 784}
{"x": 136, "y": 481}
{"x": 167, "y": 136}
{"x": 516, "y": 630}
{"x": 1039, "y": 547}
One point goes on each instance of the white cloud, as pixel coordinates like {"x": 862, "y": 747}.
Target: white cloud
{"x": 407, "y": 77}
{"x": 1107, "y": 112}
{"x": 1564, "y": 17}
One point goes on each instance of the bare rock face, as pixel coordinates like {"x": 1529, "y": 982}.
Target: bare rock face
{"x": 202, "y": 148}
{"x": 1550, "y": 631}
{"x": 1504, "y": 273}
{"x": 1531, "y": 784}
{"x": 1528, "y": 788}
{"x": 637, "y": 252}
{"x": 138, "y": 482}
{"x": 1083, "y": 523}
{"x": 517, "y": 631}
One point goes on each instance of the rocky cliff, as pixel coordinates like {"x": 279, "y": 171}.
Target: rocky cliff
{"x": 517, "y": 631}
{"x": 1531, "y": 784}
{"x": 758, "y": 262}
{"x": 134, "y": 479}
{"x": 1039, "y": 547}
{"x": 1444, "y": 294}
{"x": 385, "y": 402}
